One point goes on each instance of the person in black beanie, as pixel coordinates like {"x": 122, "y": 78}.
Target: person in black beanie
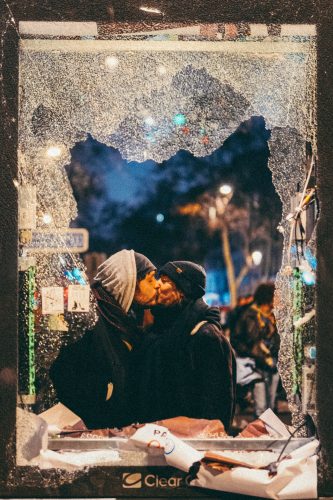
{"x": 186, "y": 364}
{"x": 92, "y": 376}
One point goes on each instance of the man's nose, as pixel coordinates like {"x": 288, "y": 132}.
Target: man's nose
{"x": 158, "y": 284}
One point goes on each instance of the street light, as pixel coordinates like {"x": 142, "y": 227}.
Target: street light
{"x": 221, "y": 202}
{"x": 256, "y": 257}
{"x": 225, "y": 189}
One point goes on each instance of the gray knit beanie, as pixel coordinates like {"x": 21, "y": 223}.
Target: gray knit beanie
{"x": 143, "y": 266}
{"x": 118, "y": 276}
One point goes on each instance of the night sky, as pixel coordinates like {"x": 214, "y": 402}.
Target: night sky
{"x": 134, "y": 205}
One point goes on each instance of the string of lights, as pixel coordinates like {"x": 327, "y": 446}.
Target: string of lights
{"x": 31, "y": 330}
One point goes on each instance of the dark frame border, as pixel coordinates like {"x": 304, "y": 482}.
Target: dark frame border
{"x": 319, "y": 12}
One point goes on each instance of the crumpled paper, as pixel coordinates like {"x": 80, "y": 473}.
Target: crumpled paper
{"x": 63, "y": 421}
{"x": 59, "y": 417}
{"x": 267, "y": 425}
{"x": 295, "y": 478}
{"x": 177, "y": 453}
{"x": 185, "y": 427}
{"x": 261, "y": 473}
{"x": 255, "y": 473}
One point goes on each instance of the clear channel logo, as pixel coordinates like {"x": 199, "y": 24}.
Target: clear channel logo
{"x": 138, "y": 480}
{"x": 132, "y": 480}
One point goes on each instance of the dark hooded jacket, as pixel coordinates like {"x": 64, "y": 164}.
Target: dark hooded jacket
{"x": 91, "y": 375}
{"x": 186, "y": 366}
{"x": 255, "y": 336}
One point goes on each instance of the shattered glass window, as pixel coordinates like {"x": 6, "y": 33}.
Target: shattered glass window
{"x": 137, "y": 93}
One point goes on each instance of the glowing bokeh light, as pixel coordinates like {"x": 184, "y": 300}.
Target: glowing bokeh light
{"x": 308, "y": 278}
{"x": 53, "y": 152}
{"x": 225, "y": 189}
{"x": 47, "y": 218}
{"x": 150, "y": 10}
{"x": 149, "y": 120}
{"x": 111, "y": 62}
{"x": 161, "y": 70}
{"x": 179, "y": 119}
{"x": 256, "y": 257}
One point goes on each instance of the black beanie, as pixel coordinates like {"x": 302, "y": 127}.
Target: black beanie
{"x": 143, "y": 266}
{"x": 189, "y": 277}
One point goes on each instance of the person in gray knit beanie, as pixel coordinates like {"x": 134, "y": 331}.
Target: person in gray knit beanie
{"x": 92, "y": 376}
{"x": 129, "y": 277}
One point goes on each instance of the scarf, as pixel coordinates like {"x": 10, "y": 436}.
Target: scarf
{"x": 115, "y": 316}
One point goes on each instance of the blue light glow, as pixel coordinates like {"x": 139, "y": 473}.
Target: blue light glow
{"x": 226, "y": 298}
{"x": 76, "y": 273}
{"x": 150, "y": 137}
{"x": 160, "y": 217}
{"x": 69, "y": 275}
{"x": 312, "y": 352}
{"x": 311, "y": 259}
{"x": 212, "y": 299}
{"x": 179, "y": 119}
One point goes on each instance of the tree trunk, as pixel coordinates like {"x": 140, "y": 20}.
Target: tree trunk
{"x": 244, "y": 271}
{"x": 229, "y": 265}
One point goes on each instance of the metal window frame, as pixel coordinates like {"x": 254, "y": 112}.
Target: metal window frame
{"x": 318, "y": 12}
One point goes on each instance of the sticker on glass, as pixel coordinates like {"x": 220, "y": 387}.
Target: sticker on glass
{"x": 52, "y": 300}
{"x": 78, "y": 298}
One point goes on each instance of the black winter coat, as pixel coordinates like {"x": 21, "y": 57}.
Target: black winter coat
{"x": 184, "y": 374}
{"x": 91, "y": 375}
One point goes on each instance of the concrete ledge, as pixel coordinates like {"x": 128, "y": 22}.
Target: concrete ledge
{"x": 38, "y": 28}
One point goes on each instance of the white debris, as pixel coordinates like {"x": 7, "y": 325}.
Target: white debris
{"x": 31, "y": 436}
{"x": 71, "y": 460}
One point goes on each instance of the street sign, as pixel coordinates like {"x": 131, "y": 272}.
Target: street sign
{"x": 74, "y": 240}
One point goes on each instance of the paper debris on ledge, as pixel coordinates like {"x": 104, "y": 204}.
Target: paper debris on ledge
{"x": 267, "y": 425}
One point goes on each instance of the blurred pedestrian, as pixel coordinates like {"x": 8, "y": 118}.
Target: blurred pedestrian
{"x": 234, "y": 314}
{"x": 255, "y": 337}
